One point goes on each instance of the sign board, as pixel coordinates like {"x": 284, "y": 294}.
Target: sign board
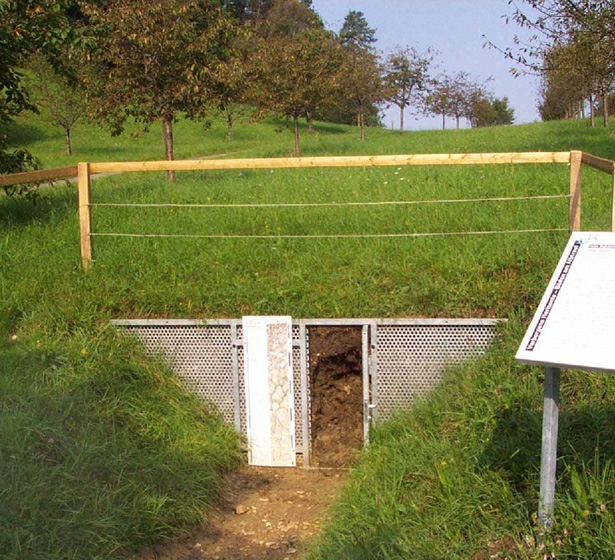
{"x": 270, "y": 411}
{"x": 574, "y": 325}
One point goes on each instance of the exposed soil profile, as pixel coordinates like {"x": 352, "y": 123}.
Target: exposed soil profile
{"x": 336, "y": 395}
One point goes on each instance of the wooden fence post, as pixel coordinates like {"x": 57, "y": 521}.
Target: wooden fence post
{"x": 85, "y": 214}
{"x": 574, "y": 216}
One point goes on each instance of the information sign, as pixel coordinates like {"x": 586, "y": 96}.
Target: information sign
{"x": 574, "y": 325}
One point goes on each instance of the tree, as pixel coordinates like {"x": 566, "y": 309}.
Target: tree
{"x": 56, "y": 96}
{"x": 234, "y": 79}
{"x": 564, "y": 84}
{"x": 588, "y": 26}
{"x": 451, "y": 97}
{"x": 503, "y": 113}
{"x": 356, "y": 32}
{"x": 286, "y": 18}
{"x": 25, "y": 27}
{"x": 361, "y": 85}
{"x": 155, "y": 60}
{"x": 296, "y": 75}
{"x": 487, "y": 111}
{"x": 361, "y": 88}
{"x": 440, "y": 99}
{"x": 406, "y": 76}
{"x": 252, "y": 11}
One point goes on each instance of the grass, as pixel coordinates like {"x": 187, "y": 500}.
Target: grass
{"x": 458, "y": 475}
{"x": 100, "y": 450}
{"x": 99, "y": 446}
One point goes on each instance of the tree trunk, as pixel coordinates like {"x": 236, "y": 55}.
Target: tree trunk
{"x": 69, "y": 147}
{"x": 605, "y": 109}
{"x": 457, "y": 118}
{"x": 401, "y": 118}
{"x": 167, "y": 135}
{"x": 296, "y": 129}
{"x": 443, "y": 121}
{"x": 310, "y": 121}
{"x": 229, "y": 127}
{"x": 592, "y": 109}
{"x": 361, "y": 125}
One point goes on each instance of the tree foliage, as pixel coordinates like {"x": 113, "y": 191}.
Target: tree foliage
{"x": 286, "y": 18}
{"x": 26, "y": 27}
{"x": 56, "y": 96}
{"x": 406, "y": 77}
{"x": 155, "y": 60}
{"x": 586, "y": 30}
{"x": 296, "y": 76}
{"x": 356, "y": 32}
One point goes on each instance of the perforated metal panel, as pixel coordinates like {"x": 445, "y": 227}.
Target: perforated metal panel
{"x": 199, "y": 355}
{"x": 411, "y": 359}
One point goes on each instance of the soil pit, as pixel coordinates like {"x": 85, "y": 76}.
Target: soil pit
{"x": 336, "y": 394}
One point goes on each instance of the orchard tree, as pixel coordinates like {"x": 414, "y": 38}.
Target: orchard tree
{"x": 451, "y": 97}
{"x": 361, "y": 87}
{"x": 406, "y": 76}
{"x": 294, "y": 76}
{"x": 155, "y": 60}
{"x": 361, "y": 84}
{"x": 234, "y": 83}
{"x": 564, "y": 84}
{"x": 56, "y": 96}
{"x": 26, "y": 27}
{"x": 439, "y": 100}
{"x": 586, "y": 25}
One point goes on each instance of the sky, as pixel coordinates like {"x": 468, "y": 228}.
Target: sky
{"x": 457, "y": 30}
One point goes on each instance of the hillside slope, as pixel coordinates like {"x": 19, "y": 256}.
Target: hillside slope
{"x": 98, "y": 446}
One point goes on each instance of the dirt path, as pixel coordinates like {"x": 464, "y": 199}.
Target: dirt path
{"x": 266, "y": 514}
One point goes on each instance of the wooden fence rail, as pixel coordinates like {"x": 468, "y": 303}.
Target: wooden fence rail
{"x": 575, "y": 158}
{"x": 41, "y": 175}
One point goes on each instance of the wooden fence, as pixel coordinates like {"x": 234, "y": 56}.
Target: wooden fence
{"x": 83, "y": 172}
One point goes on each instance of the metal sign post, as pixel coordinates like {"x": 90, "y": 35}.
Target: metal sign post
{"x": 548, "y": 458}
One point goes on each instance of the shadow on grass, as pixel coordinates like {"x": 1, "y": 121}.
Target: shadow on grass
{"x": 25, "y": 134}
{"x": 19, "y": 211}
{"x": 586, "y": 438}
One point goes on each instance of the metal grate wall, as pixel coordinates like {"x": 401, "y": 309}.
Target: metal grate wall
{"x": 413, "y": 358}
{"x": 200, "y": 356}
{"x": 407, "y": 359}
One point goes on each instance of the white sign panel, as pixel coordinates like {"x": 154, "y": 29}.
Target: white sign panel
{"x": 574, "y": 326}
{"x": 270, "y": 410}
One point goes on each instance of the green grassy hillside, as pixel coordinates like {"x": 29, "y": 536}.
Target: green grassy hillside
{"x": 272, "y": 139}
{"x": 92, "y": 434}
